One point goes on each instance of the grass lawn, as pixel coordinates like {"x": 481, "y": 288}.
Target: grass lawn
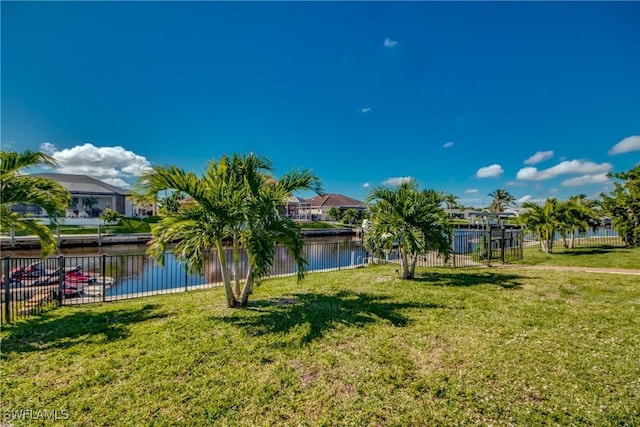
{"x": 354, "y": 347}
{"x": 592, "y": 256}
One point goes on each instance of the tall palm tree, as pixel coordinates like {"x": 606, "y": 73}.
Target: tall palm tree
{"x": 16, "y": 188}
{"x": 413, "y": 219}
{"x": 501, "y": 199}
{"x": 451, "y": 202}
{"x": 543, "y": 221}
{"x": 236, "y": 199}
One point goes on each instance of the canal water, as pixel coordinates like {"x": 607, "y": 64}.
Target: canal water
{"x": 126, "y": 270}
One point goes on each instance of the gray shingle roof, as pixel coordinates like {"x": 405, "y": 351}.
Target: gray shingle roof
{"x": 83, "y": 184}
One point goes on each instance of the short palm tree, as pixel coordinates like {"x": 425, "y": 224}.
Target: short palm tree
{"x": 412, "y": 219}
{"x": 543, "y": 221}
{"x": 16, "y": 188}
{"x": 236, "y": 199}
{"x": 501, "y": 200}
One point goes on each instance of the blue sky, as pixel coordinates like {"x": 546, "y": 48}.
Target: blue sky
{"x": 539, "y": 98}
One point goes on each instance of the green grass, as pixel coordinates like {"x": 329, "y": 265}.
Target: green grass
{"x": 355, "y": 347}
{"x": 601, "y": 256}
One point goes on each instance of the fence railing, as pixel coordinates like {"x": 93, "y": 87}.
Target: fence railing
{"x": 599, "y": 237}
{"x": 32, "y": 286}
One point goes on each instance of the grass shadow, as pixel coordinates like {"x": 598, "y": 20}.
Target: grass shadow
{"x": 591, "y": 250}
{"x": 321, "y": 312}
{"x": 53, "y": 332}
{"x": 505, "y": 281}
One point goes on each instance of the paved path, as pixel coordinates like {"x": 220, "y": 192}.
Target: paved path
{"x": 628, "y": 271}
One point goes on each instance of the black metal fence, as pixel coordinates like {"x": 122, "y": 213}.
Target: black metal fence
{"x": 31, "y": 286}
{"x": 604, "y": 236}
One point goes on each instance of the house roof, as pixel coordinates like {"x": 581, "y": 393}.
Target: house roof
{"x": 338, "y": 200}
{"x": 83, "y": 184}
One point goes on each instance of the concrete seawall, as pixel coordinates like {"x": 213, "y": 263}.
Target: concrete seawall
{"x": 89, "y": 240}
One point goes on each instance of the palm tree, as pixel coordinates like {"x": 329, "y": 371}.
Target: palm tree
{"x": 501, "y": 199}
{"x": 451, "y": 201}
{"x": 16, "y": 188}
{"x": 583, "y": 216}
{"x": 543, "y": 221}
{"x": 413, "y": 219}
{"x": 235, "y": 198}
{"x": 334, "y": 213}
{"x": 350, "y": 215}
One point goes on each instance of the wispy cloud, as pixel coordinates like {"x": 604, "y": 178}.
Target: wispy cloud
{"x": 471, "y": 191}
{"x": 366, "y": 185}
{"x": 630, "y": 143}
{"x": 109, "y": 164}
{"x": 600, "y": 178}
{"x": 529, "y": 198}
{"x": 390, "y": 43}
{"x": 448, "y": 144}
{"x": 564, "y": 168}
{"x": 489, "y": 171}
{"x": 539, "y": 157}
{"x": 365, "y": 110}
{"x": 396, "y": 181}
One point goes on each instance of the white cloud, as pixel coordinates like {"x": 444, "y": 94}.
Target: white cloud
{"x": 390, "y": 43}
{"x": 523, "y": 199}
{"x": 396, "y": 181}
{"x": 366, "y": 185}
{"x": 472, "y": 191}
{"x": 563, "y": 168}
{"x": 48, "y": 148}
{"x": 529, "y": 198}
{"x": 365, "y": 110}
{"x": 538, "y": 157}
{"x": 448, "y": 144}
{"x": 489, "y": 171}
{"x": 630, "y": 143}
{"x": 586, "y": 179}
{"x": 116, "y": 182}
{"x": 109, "y": 164}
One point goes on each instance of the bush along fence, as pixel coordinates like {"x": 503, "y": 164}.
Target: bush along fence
{"x": 31, "y": 286}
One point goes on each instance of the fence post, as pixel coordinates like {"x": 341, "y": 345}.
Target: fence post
{"x": 60, "y": 279}
{"x": 186, "y": 280}
{"x": 338, "y": 252}
{"x": 7, "y": 289}
{"x": 453, "y": 248}
{"x": 488, "y": 244}
{"x": 103, "y": 272}
{"x": 502, "y": 235}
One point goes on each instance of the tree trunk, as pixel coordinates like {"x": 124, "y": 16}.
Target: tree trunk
{"x": 231, "y": 299}
{"x": 247, "y": 289}
{"x": 236, "y": 267}
{"x": 404, "y": 261}
{"x": 572, "y": 241}
{"x": 412, "y": 269}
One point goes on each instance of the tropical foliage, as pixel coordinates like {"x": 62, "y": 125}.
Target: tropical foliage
{"x": 235, "y": 198}
{"x": 623, "y": 204}
{"x": 501, "y": 200}
{"x": 413, "y": 220}
{"x": 350, "y": 215}
{"x": 17, "y": 188}
{"x": 334, "y": 213}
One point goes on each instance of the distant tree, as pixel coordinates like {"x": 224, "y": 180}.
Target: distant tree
{"x": 350, "y": 215}
{"x": 451, "y": 202}
{"x": 501, "y": 199}
{"x": 170, "y": 204}
{"x": 109, "y": 216}
{"x": 623, "y": 205}
{"x": 412, "y": 219}
{"x": 17, "y": 188}
{"x": 582, "y": 216}
{"x": 543, "y": 221}
{"x": 334, "y": 214}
